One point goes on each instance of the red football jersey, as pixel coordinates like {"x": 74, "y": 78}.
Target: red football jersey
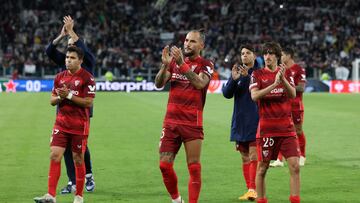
{"x": 274, "y": 108}
{"x": 72, "y": 118}
{"x": 186, "y": 103}
{"x": 298, "y": 73}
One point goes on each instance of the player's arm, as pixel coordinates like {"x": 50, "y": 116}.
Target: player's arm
{"x": 286, "y": 80}
{"x": 65, "y": 93}
{"x": 89, "y": 58}
{"x": 164, "y": 74}
{"x": 69, "y": 27}
{"x": 55, "y": 100}
{"x": 229, "y": 88}
{"x": 62, "y": 34}
{"x": 239, "y": 79}
{"x": 198, "y": 81}
{"x": 80, "y": 101}
{"x": 300, "y": 87}
{"x": 257, "y": 93}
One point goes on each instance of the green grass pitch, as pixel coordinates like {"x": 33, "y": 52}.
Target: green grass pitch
{"x": 124, "y": 140}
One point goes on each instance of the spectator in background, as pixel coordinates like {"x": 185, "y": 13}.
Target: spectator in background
{"x": 15, "y": 74}
{"x": 341, "y": 72}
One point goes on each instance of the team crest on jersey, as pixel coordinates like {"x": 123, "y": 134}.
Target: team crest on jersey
{"x": 265, "y": 153}
{"x": 77, "y": 82}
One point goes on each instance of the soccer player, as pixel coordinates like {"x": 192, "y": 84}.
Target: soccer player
{"x": 298, "y": 73}
{"x": 88, "y": 64}
{"x": 272, "y": 88}
{"x": 189, "y": 75}
{"x": 245, "y": 117}
{"x": 73, "y": 92}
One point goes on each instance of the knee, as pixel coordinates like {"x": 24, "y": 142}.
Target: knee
{"x": 55, "y": 156}
{"x": 294, "y": 167}
{"x": 261, "y": 171}
{"x": 253, "y": 157}
{"x": 165, "y": 167}
{"x": 78, "y": 159}
{"x": 193, "y": 161}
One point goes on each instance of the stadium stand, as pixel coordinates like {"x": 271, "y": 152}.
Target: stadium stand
{"x": 127, "y": 36}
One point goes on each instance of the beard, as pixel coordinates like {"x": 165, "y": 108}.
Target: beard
{"x": 189, "y": 54}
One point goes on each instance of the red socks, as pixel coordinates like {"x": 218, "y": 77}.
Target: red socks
{"x": 80, "y": 178}
{"x": 246, "y": 173}
{"x": 54, "y": 175}
{"x": 262, "y": 200}
{"x": 280, "y": 156}
{"x": 252, "y": 174}
{"x": 169, "y": 179}
{"x": 194, "y": 182}
{"x": 294, "y": 199}
{"x": 249, "y": 172}
{"x": 302, "y": 143}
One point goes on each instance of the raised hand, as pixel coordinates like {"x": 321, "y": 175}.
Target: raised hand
{"x": 68, "y": 23}
{"x": 282, "y": 70}
{"x": 63, "y": 91}
{"x": 235, "y": 72}
{"x": 177, "y": 54}
{"x": 165, "y": 57}
{"x": 243, "y": 70}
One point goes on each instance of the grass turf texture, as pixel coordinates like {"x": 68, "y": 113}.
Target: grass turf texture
{"x": 124, "y": 139}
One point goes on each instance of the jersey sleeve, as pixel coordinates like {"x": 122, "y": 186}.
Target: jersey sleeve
{"x": 290, "y": 78}
{"x": 90, "y": 87}
{"x": 301, "y": 75}
{"x": 56, "y": 85}
{"x": 207, "y": 68}
{"x": 254, "y": 81}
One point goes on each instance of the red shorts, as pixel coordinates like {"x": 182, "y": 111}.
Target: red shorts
{"x": 268, "y": 148}
{"x": 63, "y": 139}
{"x": 298, "y": 117}
{"x": 172, "y": 136}
{"x": 244, "y": 146}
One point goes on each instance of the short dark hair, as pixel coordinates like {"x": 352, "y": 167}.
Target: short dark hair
{"x": 249, "y": 47}
{"x": 273, "y": 48}
{"x": 289, "y": 51}
{"x": 78, "y": 51}
{"x": 202, "y": 33}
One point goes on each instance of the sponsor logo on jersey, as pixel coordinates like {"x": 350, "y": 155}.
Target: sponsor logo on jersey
{"x": 74, "y": 92}
{"x": 277, "y": 90}
{"x": 265, "y": 153}
{"x": 92, "y": 89}
{"x": 179, "y": 76}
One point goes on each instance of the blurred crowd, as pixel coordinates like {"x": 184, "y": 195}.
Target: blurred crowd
{"x": 127, "y": 35}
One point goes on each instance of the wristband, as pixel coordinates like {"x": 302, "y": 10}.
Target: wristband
{"x": 69, "y": 96}
{"x": 58, "y": 97}
{"x": 184, "y": 68}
